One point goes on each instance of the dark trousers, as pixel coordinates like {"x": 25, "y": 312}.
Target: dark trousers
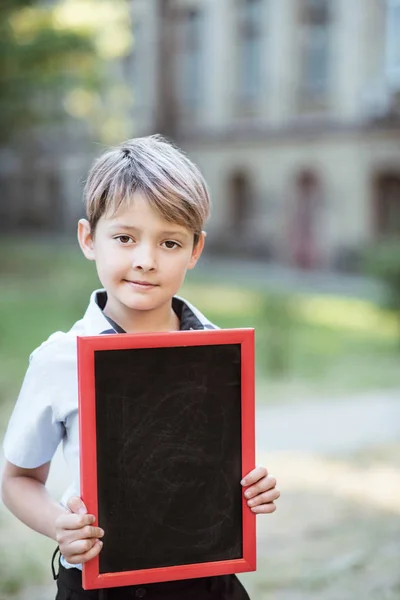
{"x": 225, "y": 587}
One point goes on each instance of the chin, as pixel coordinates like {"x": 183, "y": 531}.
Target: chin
{"x": 140, "y": 304}
{"x": 144, "y": 306}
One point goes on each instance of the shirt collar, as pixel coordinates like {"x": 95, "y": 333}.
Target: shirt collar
{"x": 97, "y": 323}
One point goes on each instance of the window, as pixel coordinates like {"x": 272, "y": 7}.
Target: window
{"x": 387, "y": 211}
{"x": 393, "y": 42}
{"x": 240, "y": 203}
{"x": 250, "y": 50}
{"x": 306, "y": 220}
{"x": 190, "y": 58}
{"x": 315, "y": 55}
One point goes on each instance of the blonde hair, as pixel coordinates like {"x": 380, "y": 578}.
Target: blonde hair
{"x": 155, "y": 168}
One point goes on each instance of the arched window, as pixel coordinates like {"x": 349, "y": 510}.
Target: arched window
{"x": 240, "y": 202}
{"x": 305, "y": 218}
{"x": 387, "y": 205}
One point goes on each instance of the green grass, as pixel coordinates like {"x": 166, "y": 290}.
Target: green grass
{"x": 306, "y": 345}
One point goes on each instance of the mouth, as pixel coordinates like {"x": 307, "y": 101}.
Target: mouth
{"x": 141, "y": 284}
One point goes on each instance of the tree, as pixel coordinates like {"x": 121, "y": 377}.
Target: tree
{"x": 56, "y": 61}
{"x": 39, "y": 58}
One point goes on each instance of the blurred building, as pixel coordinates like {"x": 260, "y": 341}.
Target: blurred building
{"x": 41, "y": 175}
{"x": 292, "y": 110}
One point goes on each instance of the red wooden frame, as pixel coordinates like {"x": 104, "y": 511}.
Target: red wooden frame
{"x": 92, "y": 578}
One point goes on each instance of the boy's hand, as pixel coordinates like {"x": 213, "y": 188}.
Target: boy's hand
{"x": 261, "y": 491}
{"x": 78, "y": 540}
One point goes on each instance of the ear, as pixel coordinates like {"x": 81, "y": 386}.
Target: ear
{"x": 85, "y": 239}
{"x": 197, "y": 250}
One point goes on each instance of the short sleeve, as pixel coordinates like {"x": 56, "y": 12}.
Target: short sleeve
{"x": 48, "y": 392}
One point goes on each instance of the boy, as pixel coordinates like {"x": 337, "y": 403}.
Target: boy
{"x": 146, "y": 206}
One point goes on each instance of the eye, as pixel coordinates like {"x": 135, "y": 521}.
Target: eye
{"x": 171, "y": 245}
{"x": 123, "y": 239}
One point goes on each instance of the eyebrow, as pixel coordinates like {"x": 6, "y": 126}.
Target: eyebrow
{"x": 171, "y": 233}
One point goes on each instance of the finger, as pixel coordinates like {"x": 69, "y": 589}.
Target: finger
{"x": 76, "y": 505}
{"x": 268, "y": 483}
{"x": 72, "y": 521}
{"x": 78, "y": 547}
{"x": 254, "y": 476}
{"x": 264, "y": 498}
{"x": 77, "y": 559}
{"x": 86, "y": 533}
{"x": 264, "y": 509}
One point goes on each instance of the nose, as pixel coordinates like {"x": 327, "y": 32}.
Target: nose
{"x": 143, "y": 258}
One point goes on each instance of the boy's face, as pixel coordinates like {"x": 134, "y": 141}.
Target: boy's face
{"x": 141, "y": 259}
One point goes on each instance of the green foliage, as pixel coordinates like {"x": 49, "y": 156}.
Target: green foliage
{"x": 38, "y": 61}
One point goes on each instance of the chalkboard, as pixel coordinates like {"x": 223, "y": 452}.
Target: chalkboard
{"x": 167, "y": 433}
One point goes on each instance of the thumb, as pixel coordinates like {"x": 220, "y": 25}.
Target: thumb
{"x": 76, "y": 505}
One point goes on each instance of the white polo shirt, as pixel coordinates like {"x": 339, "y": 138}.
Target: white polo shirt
{"x": 46, "y": 412}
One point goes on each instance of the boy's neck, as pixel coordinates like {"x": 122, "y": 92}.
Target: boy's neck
{"x": 164, "y": 319}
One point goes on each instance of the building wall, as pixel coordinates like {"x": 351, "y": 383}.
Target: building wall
{"x": 278, "y": 140}
{"x": 345, "y": 166}
{"x": 356, "y": 63}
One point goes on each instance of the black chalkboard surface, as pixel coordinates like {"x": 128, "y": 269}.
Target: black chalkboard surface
{"x": 167, "y": 433}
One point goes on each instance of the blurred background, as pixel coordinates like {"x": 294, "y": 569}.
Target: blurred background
{"x": 291, "y": 108}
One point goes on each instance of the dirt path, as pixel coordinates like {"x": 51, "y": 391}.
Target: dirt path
{"x": 336, "y": 534}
